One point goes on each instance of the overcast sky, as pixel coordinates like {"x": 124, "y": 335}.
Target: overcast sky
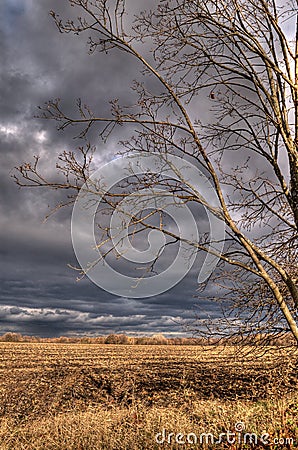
{"x": 39, "y": 292}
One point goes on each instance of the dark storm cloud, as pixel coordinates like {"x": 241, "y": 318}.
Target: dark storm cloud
{"x": 39, "y": 293}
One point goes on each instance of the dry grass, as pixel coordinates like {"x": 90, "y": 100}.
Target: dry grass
{"x": 56, "y": 396}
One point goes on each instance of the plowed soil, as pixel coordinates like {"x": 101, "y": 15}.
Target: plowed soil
{"x": 44, "y": 379}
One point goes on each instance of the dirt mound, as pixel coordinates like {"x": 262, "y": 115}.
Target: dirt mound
{"x": 52, "y": 391}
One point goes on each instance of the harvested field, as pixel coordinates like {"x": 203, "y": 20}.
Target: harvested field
{"x": 139, "y": 387}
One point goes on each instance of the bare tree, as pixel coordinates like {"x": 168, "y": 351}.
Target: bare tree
{"x": 239, "y": 59}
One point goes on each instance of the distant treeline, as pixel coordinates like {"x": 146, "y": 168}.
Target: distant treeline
{"x": 156, "y": 339}
{"x": 109, "y": 339}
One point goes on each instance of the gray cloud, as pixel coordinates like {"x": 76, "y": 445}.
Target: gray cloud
{"x": 39, "y": 293}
